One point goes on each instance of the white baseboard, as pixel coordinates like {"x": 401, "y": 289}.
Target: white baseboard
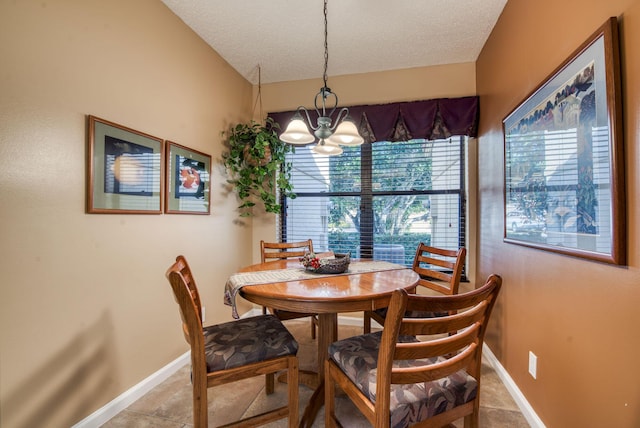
{"x": 125, "y": 399}
{"x": 526, "y": 409}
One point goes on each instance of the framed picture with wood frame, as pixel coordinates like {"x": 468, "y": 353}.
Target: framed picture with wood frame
{"x": 188, "y": 186}
{"x": 564, "y": 163}
{"x": 125, "y": 170}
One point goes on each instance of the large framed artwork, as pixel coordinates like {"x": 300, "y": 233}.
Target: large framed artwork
{"x": 124, "y": 170}
{"x": 564, "y": 163}
{"x": 188, "y": 186}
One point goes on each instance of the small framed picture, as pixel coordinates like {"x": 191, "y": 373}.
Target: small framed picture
{"x": 124, "y": 170}
{"x": 188, "y": 185}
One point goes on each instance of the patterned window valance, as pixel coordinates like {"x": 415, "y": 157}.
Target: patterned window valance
{"x": 428, "y": 119}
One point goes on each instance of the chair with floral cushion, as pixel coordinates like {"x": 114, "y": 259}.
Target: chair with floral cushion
{"x": 422, "y": 372}
{"x": 232, "y": 351}
{"x": 440, "y": 270}
{"x": 288, "y": 250}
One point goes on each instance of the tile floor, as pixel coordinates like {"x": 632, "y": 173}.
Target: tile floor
{"x": 169, "y": 404}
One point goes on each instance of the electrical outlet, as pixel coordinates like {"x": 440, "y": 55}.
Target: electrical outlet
{"x": 533, "y": 365}
{"x": 203, "y": 314}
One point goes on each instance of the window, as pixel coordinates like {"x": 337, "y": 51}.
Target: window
{"x": 379, "y": 200}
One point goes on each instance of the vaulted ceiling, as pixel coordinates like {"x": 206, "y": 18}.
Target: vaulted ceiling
{"x": 285, "y": 38}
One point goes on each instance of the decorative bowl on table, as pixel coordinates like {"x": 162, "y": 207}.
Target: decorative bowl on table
{"x": 338, "y": 263}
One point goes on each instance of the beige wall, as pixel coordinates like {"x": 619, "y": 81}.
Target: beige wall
{"x": 579, "y": 317}
{"x": 85, "y": 310}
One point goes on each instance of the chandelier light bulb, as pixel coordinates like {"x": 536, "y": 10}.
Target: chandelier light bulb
{"x": 347, "y": 134}
{"x": 297, "y": 133}
{"x": 327, "y": 148}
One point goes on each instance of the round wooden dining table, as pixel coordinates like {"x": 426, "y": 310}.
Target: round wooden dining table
{"x": 327, "y": 296}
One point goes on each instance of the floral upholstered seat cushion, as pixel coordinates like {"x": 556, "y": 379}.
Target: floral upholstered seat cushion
{"x": 358, "y": 358}
{"x": 245, "y": 341}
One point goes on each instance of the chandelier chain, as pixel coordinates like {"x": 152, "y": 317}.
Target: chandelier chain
{"x": 326, "y": 45}
{"x": 331, "y": 134}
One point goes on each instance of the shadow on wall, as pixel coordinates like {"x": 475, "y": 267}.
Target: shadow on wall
{"x": 70, "y": 385}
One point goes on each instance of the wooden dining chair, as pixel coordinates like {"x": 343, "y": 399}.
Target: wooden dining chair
{"x": 232, "y": 351}
{"x": 440, "y": 270}
{"x": 288, "y": 250}
{"x": 419, "y": 372}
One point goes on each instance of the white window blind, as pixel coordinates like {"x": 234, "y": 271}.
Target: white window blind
{"x": 378, "y": 200}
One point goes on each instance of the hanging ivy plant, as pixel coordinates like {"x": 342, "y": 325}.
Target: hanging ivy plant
{"x": 256, "y": 166}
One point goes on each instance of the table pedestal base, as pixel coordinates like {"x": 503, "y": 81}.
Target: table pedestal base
{"x": 305, "y": 377}
{"x": 315, "y": 403}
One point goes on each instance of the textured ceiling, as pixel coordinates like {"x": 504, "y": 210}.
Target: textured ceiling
{"x": 286, "y": 37}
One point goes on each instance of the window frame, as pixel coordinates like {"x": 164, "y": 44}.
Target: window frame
{"x": 367, "y": 195}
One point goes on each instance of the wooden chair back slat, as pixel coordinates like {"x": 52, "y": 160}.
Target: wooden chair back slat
{"x": 181, "y": 266}
{"x": 284, "y": 250}
{"x": 437, "y": 347}
{"x": 439, "y": 269}
{"x": 434, "y": 325}
{"x": 446, "y": 266}
{"x": 437, "y": 370}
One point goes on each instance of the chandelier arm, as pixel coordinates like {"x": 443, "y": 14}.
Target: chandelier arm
{"x": 340, "y": 117}
{"x": 324, "y": 93}
{"x": 306, "y": 113}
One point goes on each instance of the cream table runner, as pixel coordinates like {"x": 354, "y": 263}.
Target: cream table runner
{"x": 242, "y": 279}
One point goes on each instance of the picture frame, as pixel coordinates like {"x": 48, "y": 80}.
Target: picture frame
{"x": 188, "y": 180}
{"x": 125, "y": 170}
{"x": 564, "y": 187}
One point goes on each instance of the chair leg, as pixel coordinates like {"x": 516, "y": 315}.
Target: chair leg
{"x": 472, "y": 420}
{"x": 269, "y": 383}
{"x": 200, "y": 406}
{"x": 367, "y": 323}
{"x": 313, "y": 327}
{"x": 292, "y": 383}
{"x": 329, "y": 397}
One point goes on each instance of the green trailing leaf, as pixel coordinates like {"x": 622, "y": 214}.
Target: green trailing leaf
{"x": 256, "y": 167}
